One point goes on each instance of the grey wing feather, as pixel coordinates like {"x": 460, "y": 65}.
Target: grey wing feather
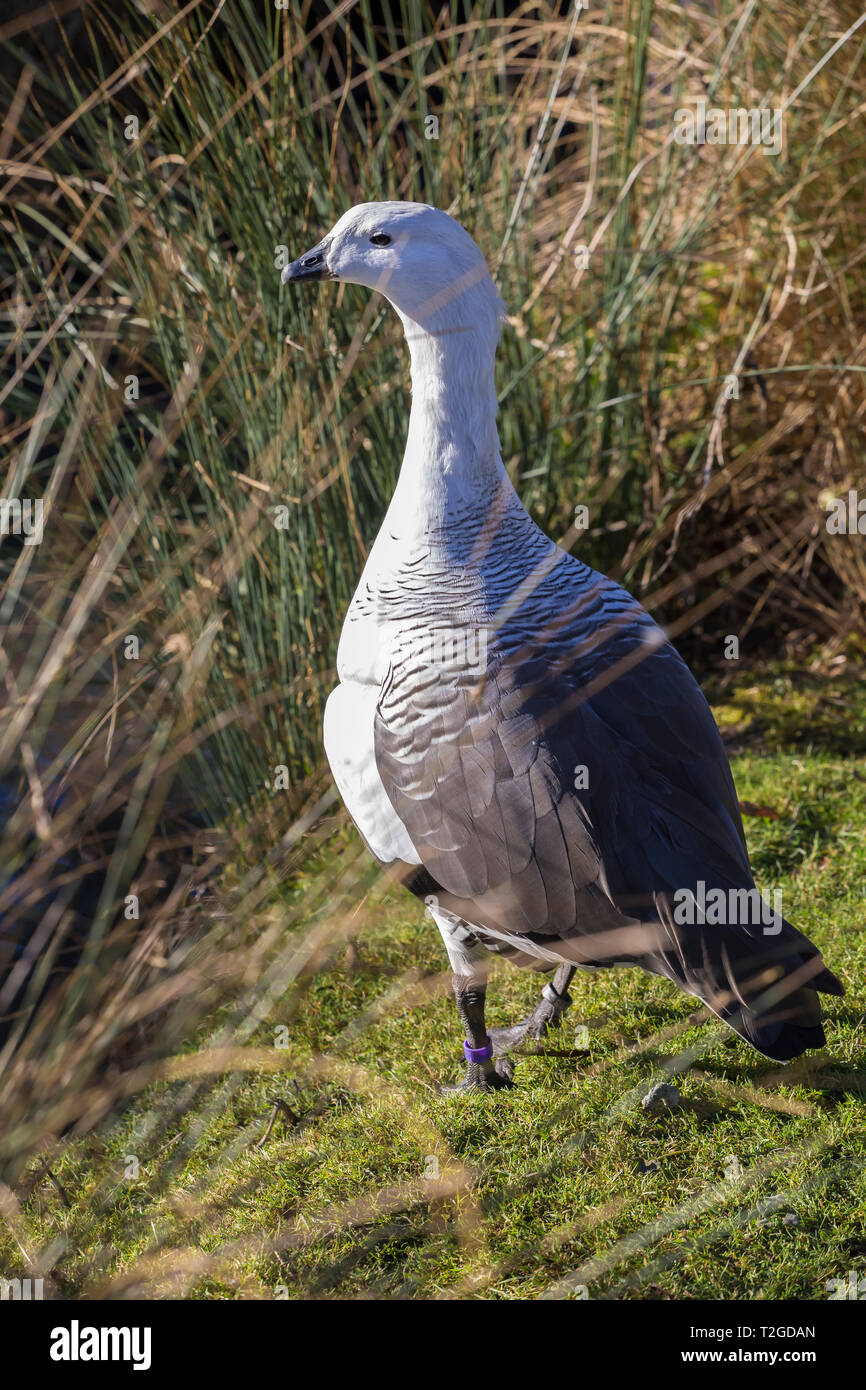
{"x": 483, "y": 778}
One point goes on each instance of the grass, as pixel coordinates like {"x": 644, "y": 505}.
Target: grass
{"x": 375, "y": 1186}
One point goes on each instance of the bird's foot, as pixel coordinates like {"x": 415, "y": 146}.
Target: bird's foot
{"x": 483, "y": 1076}
{"x": 547, "y": 1014}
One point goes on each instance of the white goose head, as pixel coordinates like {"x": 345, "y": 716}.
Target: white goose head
{"x": 434, "y": 275}
{"x": 418, "y": 257}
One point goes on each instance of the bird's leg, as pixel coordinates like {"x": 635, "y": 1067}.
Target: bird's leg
{"x": 482, "y": 1072}
{"x": 469, "y": 961}
{"x": 554, "y": 1001}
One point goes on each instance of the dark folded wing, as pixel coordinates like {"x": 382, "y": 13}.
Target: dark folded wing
{"x": 568, "y": 795}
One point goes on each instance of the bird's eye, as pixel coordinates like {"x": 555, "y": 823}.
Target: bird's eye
{"x": 380, "y": 239}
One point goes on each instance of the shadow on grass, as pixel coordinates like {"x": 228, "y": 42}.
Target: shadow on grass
{"x": 783, "y": 709}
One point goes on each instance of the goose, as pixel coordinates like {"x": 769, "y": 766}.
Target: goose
{"x": 511, "y": 732}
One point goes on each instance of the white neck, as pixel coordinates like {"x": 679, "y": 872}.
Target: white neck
{"x": 452, "y": 463}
